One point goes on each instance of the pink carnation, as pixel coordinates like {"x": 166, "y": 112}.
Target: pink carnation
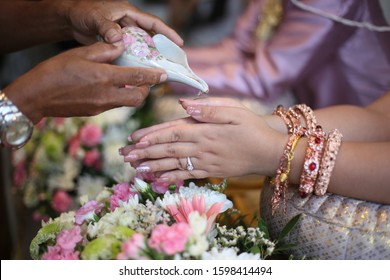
{"x": 170, "y": 239}
{"x": 67, "y": 239}
{"x": 121, "y": 193}
{"x": 61, "y": 201}
{"x": 90, "y": 134}
{"x": 55, "y": 253}
{"x": 65, "y": 246}
{"x": 87, "y": 211}
{"x": 132, "y": 248}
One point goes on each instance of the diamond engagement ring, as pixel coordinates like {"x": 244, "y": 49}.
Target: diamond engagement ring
{"x": 189, "y": 164}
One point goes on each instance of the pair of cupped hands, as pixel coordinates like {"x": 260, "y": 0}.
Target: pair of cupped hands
{"x": 221, "y": 137}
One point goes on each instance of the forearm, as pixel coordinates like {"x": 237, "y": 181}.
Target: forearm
{"x": 38, "y": 22}
{"x": 361, "y": 170}
{"x": 369, "y": 123}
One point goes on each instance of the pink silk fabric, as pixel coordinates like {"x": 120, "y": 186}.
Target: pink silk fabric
{"x": 321, "y": 61}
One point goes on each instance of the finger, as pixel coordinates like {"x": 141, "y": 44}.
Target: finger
{"x": 138, "y": 134}
{"x": 211, "y": 101}
{"x": 181, "y": 175}
{"x": 124, "y": 151}
{"x": 134, "y": 97}
{"x": 162, "y": 165}
{"x": 175, "y": 150}
{"x": 173, "y": 134}
{"x": 101, "y": 52}
{"x": 217, "y": 114}
{"x": 135, "y": 76}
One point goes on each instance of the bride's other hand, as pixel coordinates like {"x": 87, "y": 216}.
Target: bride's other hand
{"x": 185, "y": 103}
{"x": 250, "y": 145}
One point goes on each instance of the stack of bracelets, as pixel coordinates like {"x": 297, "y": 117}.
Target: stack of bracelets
{"x": 320, "y": 154}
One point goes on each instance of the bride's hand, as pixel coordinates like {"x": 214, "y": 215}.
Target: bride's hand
{"x": 223, "y": 142}
{"x": 185, "y": 103}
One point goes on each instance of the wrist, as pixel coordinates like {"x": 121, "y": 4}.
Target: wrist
{"x": 275, "y": 122}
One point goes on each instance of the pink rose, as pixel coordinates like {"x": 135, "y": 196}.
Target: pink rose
{"x": 74, "y": 145}
{"x": 91, "y": 157}
{"x": 61, "y": 201}
{"x": 90, "y": 134}
{"x": 128, "y": 39}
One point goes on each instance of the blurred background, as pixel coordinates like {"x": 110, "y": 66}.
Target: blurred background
{"x": 200, "y": 23}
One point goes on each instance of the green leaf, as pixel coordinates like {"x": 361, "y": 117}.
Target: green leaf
{"x": 263, "y": 228}
{"x": 281, "y": 248}
{"x": 287, "y": 228}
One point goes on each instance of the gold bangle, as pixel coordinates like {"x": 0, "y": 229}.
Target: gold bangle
{"x": 280, "y": 181}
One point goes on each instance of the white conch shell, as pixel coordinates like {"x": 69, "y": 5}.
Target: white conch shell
{"x": 158, "y": 51}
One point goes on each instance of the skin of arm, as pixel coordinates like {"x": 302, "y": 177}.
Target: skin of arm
{"x": 28, "y": 23}
{"x": 251, "y": 144}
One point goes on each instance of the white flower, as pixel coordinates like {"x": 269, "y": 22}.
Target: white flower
{"x": 140, "y": 186}
{"x": 104, "y": 195}
{"x": 90, "y": 186}
{"x": 228, "y": 254}
{"x": 131, "y": 204}
{"x": 199, "y": 247}
{"x": 124, "y": 173}
{"x": 83, "y": 199}
{"x": 198, "y": 224}
{"x": 65, "y": 179}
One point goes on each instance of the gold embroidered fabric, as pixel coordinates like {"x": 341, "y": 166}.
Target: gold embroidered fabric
{"x": 332, "y": 227}
{"x": 270, "y": 17}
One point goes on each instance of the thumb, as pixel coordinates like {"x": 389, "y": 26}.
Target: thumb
{"x": 110, "y": 31}
{"x": 216, "y": 114}
{"x": 102, "y": 52}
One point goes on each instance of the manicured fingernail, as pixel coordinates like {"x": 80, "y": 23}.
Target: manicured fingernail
{"x": 193, "y": 111}
{"x": 120, "y": 151}
{"x": 163, "y": 179}
{"x": 163, "y": 77}
{"x": 129, "y": 138}
{"x": 143, "y": 169}
{"x": 131, "y": 157}
{"x": 142, "y": 144}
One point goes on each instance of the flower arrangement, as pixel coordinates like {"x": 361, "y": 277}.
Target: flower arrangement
{"x": 135, "y": 221}
{"x": 71, "y": 157}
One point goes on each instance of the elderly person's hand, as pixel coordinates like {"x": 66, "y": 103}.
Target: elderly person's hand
{"x": 28, "y": 23}
{"x": 106, "y": 18}
{"x": 81, "y": 82}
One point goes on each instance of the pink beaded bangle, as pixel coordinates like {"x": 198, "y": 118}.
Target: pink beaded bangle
{"x": 312, "y": 162}
{"x": 290, "y": 124}
{"x": 328, "y": 161}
